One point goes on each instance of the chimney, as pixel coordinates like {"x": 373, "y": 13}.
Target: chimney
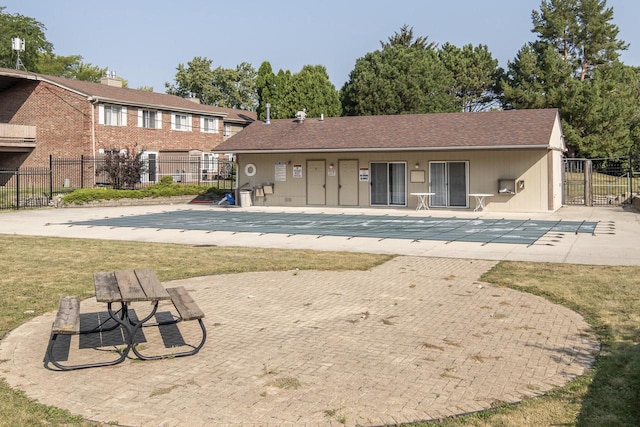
{"x": 194, "y": 100}
{"x": 268, "y": 119}
{"x": 111, "y": 80}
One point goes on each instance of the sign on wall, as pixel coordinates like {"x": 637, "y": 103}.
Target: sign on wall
{"x": 281, "y": 171}
{"x": 297, "y": 171}
{"x": 364, "y": 174}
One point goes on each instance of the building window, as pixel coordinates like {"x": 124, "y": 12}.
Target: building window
{"x": 227, "y": 129}
{"x": 112, "y": 115}
{"x": 149, "y": 119}
{"x": 208, "y": 125}
{"x": 181, "y": 121}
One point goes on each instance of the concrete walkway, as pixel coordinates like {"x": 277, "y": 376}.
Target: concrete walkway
{"x": 417, "y": 338}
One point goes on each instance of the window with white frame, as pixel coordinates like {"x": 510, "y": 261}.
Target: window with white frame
{"x": 149, "y": 119}
{"x": 208, "y": 124}
{"x": 227, "y": 129}
{"x": 181, "y": 121}
{"x": 112, "y": 115}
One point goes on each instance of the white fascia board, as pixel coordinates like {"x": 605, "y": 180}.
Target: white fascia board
{"x": 352, "y": 150}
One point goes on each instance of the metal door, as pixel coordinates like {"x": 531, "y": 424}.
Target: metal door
{"x": 316, "y": 182}
{"x": 348, "y": 183}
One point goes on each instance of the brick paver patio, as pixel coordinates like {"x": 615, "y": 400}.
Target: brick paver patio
{"x": 413, "y": 339}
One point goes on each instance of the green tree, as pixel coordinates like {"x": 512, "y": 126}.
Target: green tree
{"x": 195, "y": 80}
{"x": 287, "y": 93}
{"x": 311, "y": 89}
{"x": 267, "y": 91}
{"x": 402, "y": 78}
{"x": 405, "y": 38}
{"x": 33, "y": 33}
{"x": 581, "y": 31}
{"x": 573, "y": 66}
{"x": 475, "y": 73}
{"x": 229, "y": 88}
{"x": 70, "y": 67}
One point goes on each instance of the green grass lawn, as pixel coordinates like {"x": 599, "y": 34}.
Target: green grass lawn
{"x": 37, "y": 270}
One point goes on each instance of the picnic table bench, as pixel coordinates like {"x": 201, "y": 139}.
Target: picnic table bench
{"x": 124, "y": 287}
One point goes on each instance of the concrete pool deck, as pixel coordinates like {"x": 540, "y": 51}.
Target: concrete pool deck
{"x": 615, "y": 241}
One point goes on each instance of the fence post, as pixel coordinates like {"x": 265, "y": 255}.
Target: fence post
{"x": 50, "y": 176}
{"x": 630, "y": 177}
{"x": 588, "y": 166}
{"x": 17, "y": 188}
{"x": 81, "y": 170}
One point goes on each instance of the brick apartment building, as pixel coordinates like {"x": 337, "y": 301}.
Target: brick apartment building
{"x": 43, "y": 116}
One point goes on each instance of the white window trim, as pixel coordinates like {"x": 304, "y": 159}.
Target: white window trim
{"x": 141, "y": 118}
{"x": 189, "y": 122}
{"x": 123, "y": 115}
{"x": 215, "y": 124}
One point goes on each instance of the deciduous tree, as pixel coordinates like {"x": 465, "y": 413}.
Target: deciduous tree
{"x": 229, "y": 88}
{"x": 33, "y": 33}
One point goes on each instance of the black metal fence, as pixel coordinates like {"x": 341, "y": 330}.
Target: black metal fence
{"x": 36, "y": 186}
{"x": 601, "y": 182}
{"x": 25, "y": 187}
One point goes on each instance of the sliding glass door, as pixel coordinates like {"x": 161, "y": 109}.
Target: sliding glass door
{"x": 449, "y": 181}
{"x": 388, "y": 184}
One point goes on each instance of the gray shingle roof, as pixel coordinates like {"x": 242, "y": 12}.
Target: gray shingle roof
{"x": 134, "y": 97}
{"x": 493, "y": 129}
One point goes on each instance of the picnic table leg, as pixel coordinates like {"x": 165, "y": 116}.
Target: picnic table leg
{"x": 194, "y": 348}
{"x": 131, "y": 328}
{"x": 50, "y": 355}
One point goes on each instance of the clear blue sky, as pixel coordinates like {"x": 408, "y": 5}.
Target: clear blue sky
{"x": 144, "y": 41}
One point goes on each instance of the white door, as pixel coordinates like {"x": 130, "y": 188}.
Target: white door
{"x": 348, "y": 183}
{"x": 316, "y": 182}
{"x": 149, "y": 167}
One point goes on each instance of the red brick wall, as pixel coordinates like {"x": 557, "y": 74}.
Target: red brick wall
{"x": 165, "y": 139}
{"x": 61, "y": 118}
{"x": 64, "y": 121}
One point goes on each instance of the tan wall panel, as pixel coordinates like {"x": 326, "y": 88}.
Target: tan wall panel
{"x": 485, "y": 169}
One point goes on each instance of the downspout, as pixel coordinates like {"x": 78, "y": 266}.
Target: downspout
{"x": 93, "y": 102}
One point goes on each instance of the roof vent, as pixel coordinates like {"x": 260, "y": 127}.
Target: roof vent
{"x": 301, "y": 115}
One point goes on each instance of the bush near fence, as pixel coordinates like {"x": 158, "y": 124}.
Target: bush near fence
{"x": 29, "y": 187}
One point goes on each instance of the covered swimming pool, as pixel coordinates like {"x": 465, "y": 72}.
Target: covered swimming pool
{"x": 415, "y": 228}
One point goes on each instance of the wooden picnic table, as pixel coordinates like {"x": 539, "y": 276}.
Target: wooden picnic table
{"x": 123, "y": 288}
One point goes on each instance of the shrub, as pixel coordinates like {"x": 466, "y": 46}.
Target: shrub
{"x": 123, "y": 168}
{"x": 165, "y": 188}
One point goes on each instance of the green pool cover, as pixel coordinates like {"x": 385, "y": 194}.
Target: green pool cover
{"x": 525, "y": 232}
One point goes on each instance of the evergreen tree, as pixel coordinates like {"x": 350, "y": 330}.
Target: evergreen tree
{"x": 404, "y": 77}
{"x": 288, "y": 93}
{"x": 475, "y": 73}
{"x": 312, "y": 90}
{"x": 266, "y": 90}
{"x": 573, "y": 66}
